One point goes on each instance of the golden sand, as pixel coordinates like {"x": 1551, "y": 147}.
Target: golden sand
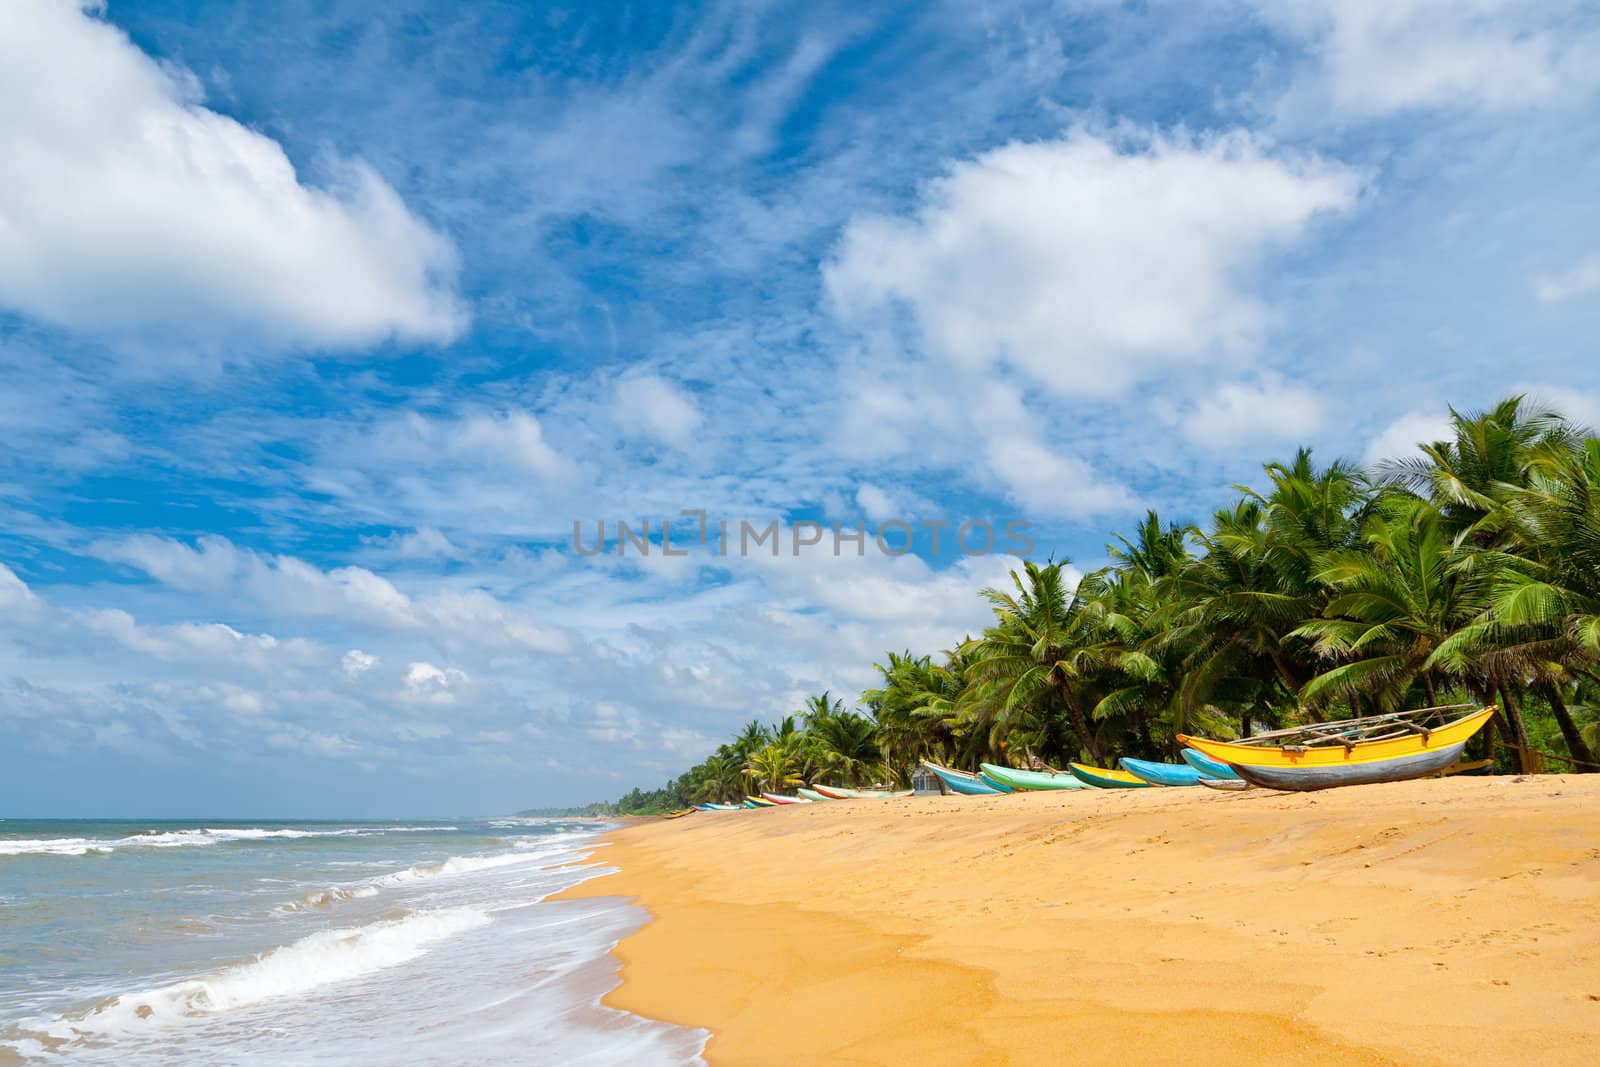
{"x": 1440, "y": 922}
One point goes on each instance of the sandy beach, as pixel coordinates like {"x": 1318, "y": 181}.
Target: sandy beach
{"x": 1433, "y": 922}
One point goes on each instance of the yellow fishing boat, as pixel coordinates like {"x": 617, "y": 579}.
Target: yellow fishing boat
{"x": 1384, "y": 748}
{"x": 1106, "y": 778}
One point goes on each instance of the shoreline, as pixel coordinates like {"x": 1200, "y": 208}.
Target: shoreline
{"x": 1434, "y": 922}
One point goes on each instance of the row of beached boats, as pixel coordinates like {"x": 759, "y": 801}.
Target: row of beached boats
{"x": 1375, "y": 748}
{"x": 809, "y": 796}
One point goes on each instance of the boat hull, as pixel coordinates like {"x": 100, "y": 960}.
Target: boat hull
{"x": 1103, "y": 778}
{"x": 1303, "y": 757}
{"x": 779, "y": 798}
{"x": 962, "y": 782}
{"x": 1208, "y": 767}
{"x": 1029, "y": 780}
{"x": 1160, "y": 773}
{"x": 1366, "y": 772}
{"x": 837, "y": 793}
{"x": 1225, "y": 783}
{"x": 811, "y": 794}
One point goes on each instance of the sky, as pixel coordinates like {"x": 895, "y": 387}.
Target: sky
{"x": 323, "y": 323}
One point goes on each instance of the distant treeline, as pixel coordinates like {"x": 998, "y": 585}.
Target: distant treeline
{"x": 1470, "y": 573}
{"x": 600, "y": 808}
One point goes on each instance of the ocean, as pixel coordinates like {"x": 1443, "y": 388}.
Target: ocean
{"x": 306, "y": 942}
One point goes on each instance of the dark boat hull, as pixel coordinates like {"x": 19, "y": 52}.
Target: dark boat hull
{"x": 1306, "y": 779}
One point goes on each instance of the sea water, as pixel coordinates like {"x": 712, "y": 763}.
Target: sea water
{"x": 300, "y": 942}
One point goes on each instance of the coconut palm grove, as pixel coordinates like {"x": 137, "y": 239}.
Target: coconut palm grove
{"x": 1469, "y": 573}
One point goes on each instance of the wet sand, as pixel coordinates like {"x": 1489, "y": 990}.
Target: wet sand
{"x": 1437, "y": 922}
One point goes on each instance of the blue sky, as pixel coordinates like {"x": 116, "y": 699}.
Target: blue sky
{"x": 320, "y": 324}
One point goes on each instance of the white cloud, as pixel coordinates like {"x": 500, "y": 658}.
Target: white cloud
{"x": 127, "y": 205}
{"x": 15, "y": 596}
{"x": 1376, "y": 57}
{"x": 877, "y": 504}
{"x": 1089, "y": 263}
{"x": 209, "y": 566}
{"x": 433, "y": 685}
{"x": 511, "y": 441}
{"x": 289, "y": 586}
{"x": 1240, "y": 414}
{"x": 654, "y": 407}
{"x": 1048, "y": 482}
{"x": 283, "y": 583}
{"x": 356, "y": 662}
{"x": 423, "y": 543}
{"x": 213, "y": 643}
{"x": 1582, "y": 279}
{"x": 1399, "y": 440}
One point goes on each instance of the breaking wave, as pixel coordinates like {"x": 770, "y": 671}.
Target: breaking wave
{"x": 81, "y": 846}
{"x": 319, "y": 959}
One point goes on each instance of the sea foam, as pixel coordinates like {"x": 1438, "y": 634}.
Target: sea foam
{"x": 320, "y": 959}
{"x": 81, "y": 846}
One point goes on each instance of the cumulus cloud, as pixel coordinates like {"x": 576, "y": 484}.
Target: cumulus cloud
{"x": 356, "y": 662}
{"x": 653, "y": 407}
{"x": 1399, "y": 440}
{"x": 290, "y": 586}
{"x": 433, "y": 685}
{"x": 1581, "y": 279}
{"x": 211, "y": 643}
{"x": 876, "y": 504}
{"x": 15, "y": 596}
{"x": 125, "y": 204}
{"x": 510, "y": 441}
{"x": 1088, "y": 263}
{"x": 423, "y": 543}
{"x": 1376, "y": 57}
{"x": 1240, "y": 414}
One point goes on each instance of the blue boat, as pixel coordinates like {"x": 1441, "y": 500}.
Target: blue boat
{"x": 998, "y": 787}
{"x": 963, "y": 782}
{"x": 1161, "y": 773}
{"x": 1207, "y": 766}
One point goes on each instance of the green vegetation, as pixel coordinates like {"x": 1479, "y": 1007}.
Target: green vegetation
{"x": 1471, "y": 574}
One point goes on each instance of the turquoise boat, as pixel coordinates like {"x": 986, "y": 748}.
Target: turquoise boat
{"x": 1210, "y": 768}
{"x": 964, "y": 782}
{"x": 811, "y": 794}
{"x": 997, "y": 786}
{"x": 1029, "y": 780}
{"x": 1160, "y": 773}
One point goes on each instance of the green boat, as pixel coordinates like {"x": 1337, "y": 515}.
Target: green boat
{"x": 811, "y": 794}
{"x": 1028, "y": 780}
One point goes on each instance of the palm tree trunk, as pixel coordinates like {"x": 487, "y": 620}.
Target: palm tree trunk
{"x": 1280, "y": 661}
{"x": 1141, "y": 725}
{"x": 1569, "y": 732}
{"x": 1080, "y": 722}
{"x": 1517, "y": 730}
{"x": 1427, "y": 682}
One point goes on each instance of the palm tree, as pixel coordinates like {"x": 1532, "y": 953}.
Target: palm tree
{"x": 722, "y": 777}
{"x": 1394, "y": 601}
{"x": 1544, "y": 619}
{"x": 1030, "y": 663}
{"x": 820, "y": 707}
{"x": 772, "y": 768}
{"x": 753, "y": 736}
{"x": 846, "y": 744}
{"x": 1474, "y": 478}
